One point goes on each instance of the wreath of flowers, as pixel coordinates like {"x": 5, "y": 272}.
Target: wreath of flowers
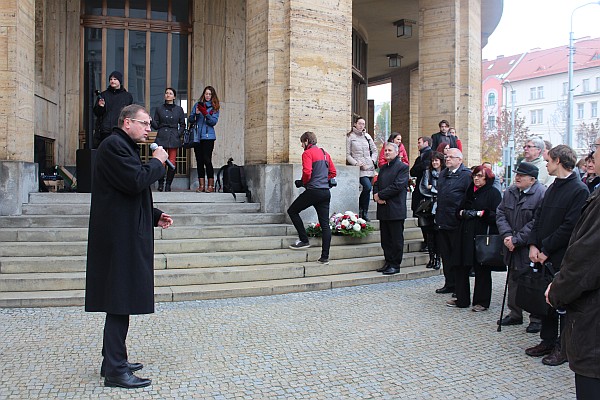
{"x": 347, "y": 224}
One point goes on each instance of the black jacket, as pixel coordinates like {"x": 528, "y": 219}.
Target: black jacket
{"x": 486, "y": 199}
{"x": 577, "y": 288}
{"x": 120, "y": 254}
{"x": 391, "y": 186}
{"x": 422, "y": 162}
{"x": 439, "y": 137}
{"x": 451, "y": 193}
{"x": 108, "y": 116}
{"x": 169, "y": 121}
{"x": 556, "y": 217}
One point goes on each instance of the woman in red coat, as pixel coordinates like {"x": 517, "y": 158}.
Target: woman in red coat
{"x": 395, "y": 137}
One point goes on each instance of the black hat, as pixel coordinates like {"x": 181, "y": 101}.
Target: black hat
{"x": 527, "y": 168}
{"x": 117, "y": 75}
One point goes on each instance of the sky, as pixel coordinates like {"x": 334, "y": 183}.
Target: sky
{"x": 527, "y": 24}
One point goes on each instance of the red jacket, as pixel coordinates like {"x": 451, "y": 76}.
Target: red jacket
{"x": 401, "y": 153}
{"x": 317, "y": 168}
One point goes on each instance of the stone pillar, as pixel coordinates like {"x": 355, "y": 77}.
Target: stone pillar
{"x": 401, "y": 106}
{"x": 298, "y": 61}
{"x": 17, "y": 59}
{"x": 450, "y": 70}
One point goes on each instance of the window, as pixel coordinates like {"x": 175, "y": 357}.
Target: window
{"x": 585, "y": 86}
{"x": 491, "y": 99}
{"x": 536, "y": 93}
{"x": 537, "y": 117}
{"x": 491, "y": 122}
{"x": 579, "y": 110}
{"x": 594, "y": 105}
{"x": 565, "y": 88}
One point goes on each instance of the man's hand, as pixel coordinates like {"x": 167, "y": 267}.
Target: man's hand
{"x": 165, "y": 221}
{"x": 377, "y": 199}
{"x": 161, "y": 154}
{"x": 509, "y": 244}
{"x": 546, "y": 294}
{"x": 542, "y": 257}
{"x": 101, "y": 102}
{"x": 533, "y": 253}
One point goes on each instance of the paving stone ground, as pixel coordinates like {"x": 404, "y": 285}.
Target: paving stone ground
{"x": 386, "y": 341}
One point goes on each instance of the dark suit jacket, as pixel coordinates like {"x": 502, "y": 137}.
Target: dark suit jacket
{"x": 391, "y": 186}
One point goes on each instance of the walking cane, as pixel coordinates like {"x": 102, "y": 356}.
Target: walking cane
{"x": 505, "y": 291}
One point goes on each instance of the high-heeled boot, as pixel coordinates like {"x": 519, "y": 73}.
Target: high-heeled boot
{"x": 161, "y": 183}
{"x": 170, "y": 176}
{"x": 201, "y": 185}
{"x": 438, "y": 262}
{"x": 211, "y": 185}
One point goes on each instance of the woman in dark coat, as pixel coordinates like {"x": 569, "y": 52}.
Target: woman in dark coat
{"x": 478, "y": 217}
{"x": 169, "y": 121}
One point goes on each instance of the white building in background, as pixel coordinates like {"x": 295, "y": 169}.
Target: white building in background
{"x": 540, "y": 82}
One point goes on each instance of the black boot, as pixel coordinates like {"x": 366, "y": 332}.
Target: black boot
{"x": 431, "y": 262}
{"x": 161, "y": 183}
{"x": 438, "y": 262}
{"x": 170, "y": 176}
{"x": 364, "y": 214}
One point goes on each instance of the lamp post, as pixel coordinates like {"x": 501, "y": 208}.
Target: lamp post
{"x": 570, "y": 69}
{"x": 510, "y": 149}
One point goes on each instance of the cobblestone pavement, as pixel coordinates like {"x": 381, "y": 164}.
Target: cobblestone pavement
{"x": 386, "y": 341}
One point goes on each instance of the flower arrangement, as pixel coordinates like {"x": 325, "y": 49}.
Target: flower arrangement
{"x": 412, "y": 185}
{"x": 348, "y": 224}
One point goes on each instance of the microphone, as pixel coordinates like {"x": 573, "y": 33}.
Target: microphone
{"x": 153, "y": 147}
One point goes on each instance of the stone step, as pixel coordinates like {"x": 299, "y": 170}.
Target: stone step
{"x": 81, "y": 221}
{"x": 282, "y": 254}
{"x": 61, "y": 298}
{"x": 158, "y": 197}
{"x": 185, "y": 245}
{"x": 170, "y": 208}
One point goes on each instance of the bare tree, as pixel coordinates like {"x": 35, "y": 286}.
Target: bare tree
{"x": 495, "y": 138}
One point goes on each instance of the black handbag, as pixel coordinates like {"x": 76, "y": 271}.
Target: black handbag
{"x": 532, "y": 283}
{"x": 188, "y": 136}
{"x": 425, "y": 207}
{"x": 488, "y": 251}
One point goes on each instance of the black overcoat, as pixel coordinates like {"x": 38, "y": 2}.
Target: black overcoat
{"x": 486, "y": 199}
{"x": 391, "y": 186}
{"x": 169, "y": 121}
{"x": 120, "y": 254}
{"x": 422, "y": 162}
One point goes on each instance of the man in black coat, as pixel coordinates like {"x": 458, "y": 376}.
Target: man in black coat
{"x": 120, "y": 254}
{"x": 390, "y": 195}
{"x": 452, "y": 186}
{"x": 108, "y": 107}
{"x": 443, "y": 136}
{"x": 554, "y": 223}
{"x": 418, "y": 169}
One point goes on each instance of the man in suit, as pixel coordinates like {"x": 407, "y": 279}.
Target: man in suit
{"x": 120, "y": 255}
{"x": 390, "y": 195}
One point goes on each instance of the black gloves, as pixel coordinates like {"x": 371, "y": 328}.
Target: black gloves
{"x": 298, "y": 183}
{"x": 469, "y": 214}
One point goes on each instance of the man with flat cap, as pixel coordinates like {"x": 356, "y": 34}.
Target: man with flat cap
{"x": 514, "y": 219}
{"x": 108, "y": 107}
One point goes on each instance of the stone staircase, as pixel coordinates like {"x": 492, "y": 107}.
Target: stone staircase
{"x": 217, "y": 248}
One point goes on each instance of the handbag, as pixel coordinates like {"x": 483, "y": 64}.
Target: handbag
{"x": 425, "y": 207}
{"x": 532, "y": 283}
{"x": 188, "y": 136}
{"x": 488, "y": 251}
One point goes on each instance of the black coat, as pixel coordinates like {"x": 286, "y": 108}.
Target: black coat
{"x": 451, "y": 193}
{"x": 486, "y": 199}
{"x": 556, "y": 217}
{"x": 422, "y": 162}
{"x": 577, "y": 288}
{"x": 120, "y": 254}
{"x": 439, "y": 137}
{"x": 108, "y": 116}
{"x": 514, "y": 217}
{"x": 169, "y": 121}
{"x": 391, "y": 186}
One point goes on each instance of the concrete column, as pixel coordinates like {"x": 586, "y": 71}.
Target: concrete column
{"x": 17, "y": 74}
{"x": 450, "y": 69}
{"x": 401, "y": 106}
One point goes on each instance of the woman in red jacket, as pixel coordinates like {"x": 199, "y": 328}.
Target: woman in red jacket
{"x": 395, "y": 137}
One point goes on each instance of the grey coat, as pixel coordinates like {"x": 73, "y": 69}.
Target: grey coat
{"x": 360, "y": 148}
{"x": 514, "y": 218}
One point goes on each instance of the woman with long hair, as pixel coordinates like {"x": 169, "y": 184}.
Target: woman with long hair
{"x": 169, "y": 122}
{"x": 395, "y": 137}
{"x": 428, "y": 188}
{"x": 362, "y": 152}
{"x": 205, "y": 115}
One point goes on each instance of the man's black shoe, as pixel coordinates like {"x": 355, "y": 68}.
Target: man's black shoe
{"x": 132, "y": 367}
{"x": 385, "y": 266}
{"x": 126, "y": 380}
{"x": 444, "y": 289}
{"x": 534, "y": 327}
{"x": 508, "y": 320}
{"x": 391, "y": 270}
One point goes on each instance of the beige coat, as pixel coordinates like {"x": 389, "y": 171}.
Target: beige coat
{"x": 360, "y": 149}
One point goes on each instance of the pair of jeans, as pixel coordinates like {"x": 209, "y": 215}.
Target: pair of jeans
{"x": 365, "y": 195}
{"x": 319, "y": 199}
{"x": 203, "y": 151}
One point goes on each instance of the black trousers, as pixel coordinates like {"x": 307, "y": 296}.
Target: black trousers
{"x": 114, "y": 349}
{"x": 203, "y": 152}
{"x": 482, "y": 292}
{"x": 449, "y": 248}
{"x": 392, "y": 241}
{"x": 552, "y": 327}
{"x": 586, "y": 388}
{"x": 319, "y": 199}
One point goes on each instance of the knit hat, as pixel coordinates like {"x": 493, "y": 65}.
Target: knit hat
{"x": 526, "y": 168}
{"x": 117, "y": 75}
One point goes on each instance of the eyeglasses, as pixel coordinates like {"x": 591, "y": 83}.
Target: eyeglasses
{"x": 529, "y": 147}
{"x": 145, "y": 123}
{"x": 594, "y": 146}
{"x": 451, "y": 157}
{"x": 479, "y": 176}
